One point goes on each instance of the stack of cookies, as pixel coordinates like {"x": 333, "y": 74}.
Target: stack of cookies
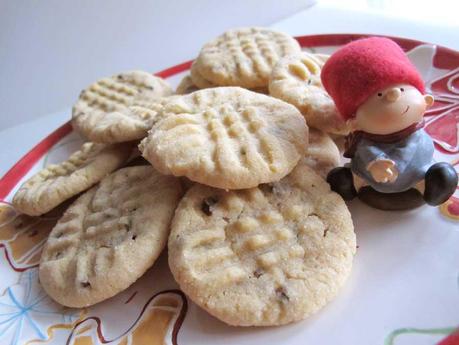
{"x": 257, "y": 239}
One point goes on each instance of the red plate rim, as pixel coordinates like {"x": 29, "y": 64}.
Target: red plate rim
{"x": 445, "y": 58}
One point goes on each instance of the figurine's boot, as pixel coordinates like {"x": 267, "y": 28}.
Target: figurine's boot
{"x": 440, "y": 183}
{"x": 341, "y": 181}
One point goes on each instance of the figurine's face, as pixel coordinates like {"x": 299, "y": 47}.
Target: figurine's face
{"x": 390, "y": 110}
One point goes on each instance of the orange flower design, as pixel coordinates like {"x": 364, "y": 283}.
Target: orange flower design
{"x": 158, "y": 323}
{"x": 23, "y": 237}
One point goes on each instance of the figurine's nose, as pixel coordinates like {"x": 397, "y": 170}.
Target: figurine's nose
{"x": 393, "y": 94}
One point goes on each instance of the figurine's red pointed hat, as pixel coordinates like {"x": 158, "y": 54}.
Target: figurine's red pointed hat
{"x": 361, "y": 68}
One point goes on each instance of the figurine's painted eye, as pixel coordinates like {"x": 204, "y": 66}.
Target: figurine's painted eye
{"x": 379, "y": 94}
{"x": 402, "y": 89}
{"x": 309, "y": 81}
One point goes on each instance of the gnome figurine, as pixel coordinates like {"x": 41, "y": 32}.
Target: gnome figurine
{"x": 381, "y": 95}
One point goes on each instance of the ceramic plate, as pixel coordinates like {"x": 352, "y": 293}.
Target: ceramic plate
{"x": 404, "y": 288}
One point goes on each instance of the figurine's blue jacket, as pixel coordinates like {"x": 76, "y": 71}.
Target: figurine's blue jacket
{"x": 412, "y": 156}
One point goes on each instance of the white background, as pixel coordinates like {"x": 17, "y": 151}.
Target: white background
{"x": 51, "y": 49}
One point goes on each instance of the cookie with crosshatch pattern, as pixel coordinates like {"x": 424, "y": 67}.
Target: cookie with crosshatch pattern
{"x": 264, "y": 256}
{"x": 59, "y": 182}
{"x": 226, "y": 137}
{"x": 109, "y": 236}
{"x": 296, "y": 79}
{"x": 186, "y": 86}
{"x": 102, "y": 112}
{"x": 243, "y": 57}
{"x": 322, "y": 154}
{"x": 195, "y": 81}
{"x": 198, "y": 79}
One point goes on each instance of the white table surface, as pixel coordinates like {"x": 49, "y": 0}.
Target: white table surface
{"x": 318, "y": 19}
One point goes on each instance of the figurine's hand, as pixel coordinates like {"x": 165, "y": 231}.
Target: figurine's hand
{"x": 383, "y": 170}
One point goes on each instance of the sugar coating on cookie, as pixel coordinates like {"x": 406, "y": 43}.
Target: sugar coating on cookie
{"x": 263, "y": 256}
{"x": 109, "y": 236}
{"x": 226, "y": 137}
{"x": 102, "y": 113}
{"x": 322, "y": 154}
{"x": 244, "y": 57}
{"x": 296, "y": 80}
{"x": 59, "y": 182}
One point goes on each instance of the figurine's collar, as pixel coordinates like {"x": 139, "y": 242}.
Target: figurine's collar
{"x": 354, "y": 138}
